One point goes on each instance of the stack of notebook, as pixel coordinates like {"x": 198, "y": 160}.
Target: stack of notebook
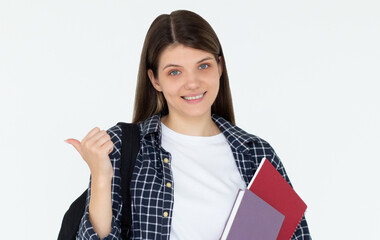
{"x": 268, "y": 209}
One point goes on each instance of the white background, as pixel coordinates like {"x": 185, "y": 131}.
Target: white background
{"x": 304, "y": 76}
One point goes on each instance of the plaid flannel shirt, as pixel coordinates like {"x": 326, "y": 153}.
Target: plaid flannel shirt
{"x": 152, "y": 200}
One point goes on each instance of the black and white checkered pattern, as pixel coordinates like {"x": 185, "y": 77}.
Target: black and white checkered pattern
{"x": 152, "y": 200}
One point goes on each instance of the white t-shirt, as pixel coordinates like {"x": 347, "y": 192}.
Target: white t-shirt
{"x": 206, "y": 181}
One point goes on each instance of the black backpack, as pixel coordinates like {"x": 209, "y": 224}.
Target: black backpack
{"x": 129, "y": 150}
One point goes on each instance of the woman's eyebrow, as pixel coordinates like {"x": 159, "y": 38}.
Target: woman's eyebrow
{"x": 170, "y": 65}
{"x": 204, "y": 59}
{"x": 174, "y": 65}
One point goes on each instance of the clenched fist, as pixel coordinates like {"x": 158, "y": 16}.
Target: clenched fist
{"x": 94, "y": 149}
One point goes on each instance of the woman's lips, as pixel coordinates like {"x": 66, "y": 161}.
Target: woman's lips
{"x": 194, "y": 99}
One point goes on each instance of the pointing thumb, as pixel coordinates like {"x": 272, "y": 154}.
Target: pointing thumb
{"x": 76, "y": 144}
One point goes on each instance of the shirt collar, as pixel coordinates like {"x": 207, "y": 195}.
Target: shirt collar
{"x": 238, "y": 139}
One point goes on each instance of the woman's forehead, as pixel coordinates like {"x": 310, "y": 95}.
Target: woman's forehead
{"x": 178, "y": 54}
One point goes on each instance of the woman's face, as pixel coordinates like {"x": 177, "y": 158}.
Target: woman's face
{"x": 188, "y": 79}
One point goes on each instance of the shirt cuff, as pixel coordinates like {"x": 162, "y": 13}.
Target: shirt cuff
{"x": 86, "y": 230}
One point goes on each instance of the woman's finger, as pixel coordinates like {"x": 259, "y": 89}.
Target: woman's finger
{"x": 102, "y": 139}
{"x": 76, "y": 144}
{"x": 108, "y": 147}
{"x": 92, "y": 141}
{"x": 91, "y": 133}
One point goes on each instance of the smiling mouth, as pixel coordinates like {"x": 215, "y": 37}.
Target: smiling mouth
{"x": 195, "y": 97}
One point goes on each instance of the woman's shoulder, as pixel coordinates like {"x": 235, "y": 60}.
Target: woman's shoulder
{"x": 257, "y": 142}
{"x": 261, "y": 148}
{"x": 115, "y": 133}
{"x": 240, "y": 137}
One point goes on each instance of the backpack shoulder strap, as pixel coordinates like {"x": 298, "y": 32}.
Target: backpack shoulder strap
{"x": 72, "y": 218}
{"x": 130, "y": 146}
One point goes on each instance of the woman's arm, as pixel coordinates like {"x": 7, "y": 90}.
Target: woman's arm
{"x": 100, "y": 207}
{"x": 102, "y": 216}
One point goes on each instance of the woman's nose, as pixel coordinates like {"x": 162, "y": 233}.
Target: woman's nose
{"x": 192, "y": 81}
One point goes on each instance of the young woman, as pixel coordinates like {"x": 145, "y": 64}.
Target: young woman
{"x": 193, "y": 158}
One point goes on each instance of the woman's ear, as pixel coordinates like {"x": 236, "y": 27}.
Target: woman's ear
{"x": 154, "y": 81}
{"x": 220, "y": 66}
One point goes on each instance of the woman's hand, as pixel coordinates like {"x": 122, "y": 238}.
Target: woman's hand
{"x": 94, "y": 149}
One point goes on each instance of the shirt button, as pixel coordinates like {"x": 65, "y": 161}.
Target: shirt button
{"x": 166, "y": 214}
{"x": 169, "y": 185}
{"x": 166, "y": 160}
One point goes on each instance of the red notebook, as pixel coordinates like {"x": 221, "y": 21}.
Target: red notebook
{"x": 269, "y": 185}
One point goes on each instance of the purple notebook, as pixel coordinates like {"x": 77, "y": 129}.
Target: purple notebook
{"x": 252, "y": 218}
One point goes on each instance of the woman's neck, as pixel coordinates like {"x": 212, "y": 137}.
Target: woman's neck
{"x": 201, "y": 126}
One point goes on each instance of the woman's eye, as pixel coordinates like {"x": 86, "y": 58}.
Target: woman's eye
{"x": 203, "y": 66}
{"x": 173, "y": 73}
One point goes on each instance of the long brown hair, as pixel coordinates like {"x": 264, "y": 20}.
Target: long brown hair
{"x": 191, "y": 30}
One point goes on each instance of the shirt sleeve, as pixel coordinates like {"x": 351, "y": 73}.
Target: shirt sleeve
{"x": 86, "y": 231}
{"x": 302, "y": 231}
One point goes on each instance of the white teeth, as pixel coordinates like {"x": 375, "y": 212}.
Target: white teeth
{"x": 192, "y": 98}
